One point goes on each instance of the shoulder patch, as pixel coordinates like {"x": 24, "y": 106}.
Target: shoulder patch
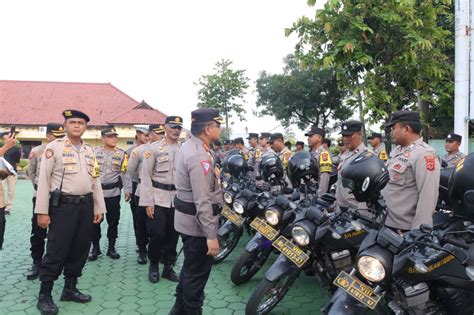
{"x": 383, "y": 155}
{"x": 147, "y": 154}
{"x": 430, "y": 162}
{"x": 325, "y": 156}
{"x": 206, "y": 167}
{"x": 49, "y": 153}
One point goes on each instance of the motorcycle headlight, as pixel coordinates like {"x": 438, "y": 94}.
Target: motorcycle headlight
{"x": 371, "y": 268}
{"x": 225, "y": 185}
{"x": 300, "y": 236}
{"x": 272, "y": 216}
{"x": 228, "y": 198}
{"x": 238, "y": 207}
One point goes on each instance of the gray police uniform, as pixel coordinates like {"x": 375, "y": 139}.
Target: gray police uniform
{"x": 381, "y": 153}
{"x": 412, "y": 192}
{"x": 453, "y": 158}
{"x": 324, "y": 161}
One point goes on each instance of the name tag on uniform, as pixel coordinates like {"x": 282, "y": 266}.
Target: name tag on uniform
{"x": 69, "y": 160}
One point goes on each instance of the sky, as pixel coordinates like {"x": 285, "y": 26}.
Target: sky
{"x": 151, "y": 50}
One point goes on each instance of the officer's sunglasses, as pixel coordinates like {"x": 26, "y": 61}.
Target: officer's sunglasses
{"x": 176, "y": 127}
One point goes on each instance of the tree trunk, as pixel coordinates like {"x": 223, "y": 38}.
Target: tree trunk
{"x": 361, "y": 112}
{"x": 424, "y": 107}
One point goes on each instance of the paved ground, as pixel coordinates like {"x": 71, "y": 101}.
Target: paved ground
{"x": 122, "y": 286}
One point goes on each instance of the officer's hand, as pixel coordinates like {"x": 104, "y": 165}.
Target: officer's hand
{"x": 9, "y": 142}
{"x": 128, "y": 197}
{"x": 98, "y": 218}
{"x": 150, "y": 212}
{"x": 212, "y": 247}
{"x": 43, "y": 220}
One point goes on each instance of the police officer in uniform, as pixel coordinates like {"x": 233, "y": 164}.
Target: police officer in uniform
{"x": 69, "y": 202}
{"x": 412, "y": 192}
{"x": 316, "y": 137}
{"x": 264, "y": 141}
{"x": 255, "y": 154}
{"x": 376, "y": 142}
{"x": 156, "y": 133}
{"x": 157, "y": 193}
{"x": 352, "y": 137}
{"x": 341, "y": 146}
{"x": 239, "y": 145}
{"x": 198, "y": 202}
{"x": 453, "y": 155}
{"x": 227, "y": 144}
{"x": 278, "y": 146}
{"x": 113, "y": 165}
{"x": 38, "y": 235}
{"x": 299, "y": 146}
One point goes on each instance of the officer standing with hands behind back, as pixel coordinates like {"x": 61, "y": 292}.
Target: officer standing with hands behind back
{"x": 198, "y": 202}
{"x": 69, "y": 202}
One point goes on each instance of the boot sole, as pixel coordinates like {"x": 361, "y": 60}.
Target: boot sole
{"x": 47, "y": 312}
{"x": 65, "y": 299}
{"x": 113, "y": 257}
{"x": 32, "y": 277}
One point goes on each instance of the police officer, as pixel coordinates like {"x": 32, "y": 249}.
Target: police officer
{"x": 198, "y": 201}
{"x": 227, "y": 144}
{"x": 255, "y": 154}
{"x": 264, "y": 141}
{"x": 412, "y": 192}
{"x": 299, "y": 146}
{"x": 69, "y": 201}
{"x": 113, "y": 165}
{"x": 376, "y": 142}
{"x": 453, "y": 155}
{"x": 352, "y": 137}
{"x": 316, "y": 137}
{"x": 239, "y": 145}
{"x": 278, "y": 146}
{"x": 156, "y": 133}
{"x": 157, "y": 193}
{"x": 38, "y": 235}
{"x": 8, "y": 142}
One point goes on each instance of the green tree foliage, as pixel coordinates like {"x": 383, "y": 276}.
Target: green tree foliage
{"x": 301, "y": 96}
{"x": 224, "y": 90}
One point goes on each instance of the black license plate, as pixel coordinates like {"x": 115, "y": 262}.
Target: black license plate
{"x": 357, "y": 289}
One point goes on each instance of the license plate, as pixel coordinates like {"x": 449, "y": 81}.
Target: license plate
{"x": 264, "y": 228}
{"x": 232, "y": 216}
{"x": 291, "y": 251}
{"x": 357, "y": 289}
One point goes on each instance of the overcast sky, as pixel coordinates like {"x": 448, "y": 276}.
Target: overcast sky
{"x": 152, "y": 50}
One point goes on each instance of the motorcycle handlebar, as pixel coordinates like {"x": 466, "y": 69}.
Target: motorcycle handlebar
{"x": 455, "y": 242}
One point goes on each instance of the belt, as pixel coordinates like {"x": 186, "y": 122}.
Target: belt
{"x": 190, "y": 207}
{"x": 72, "y": 199}
{"x": 169, "y": 187}
{"x": 117, "y": 184}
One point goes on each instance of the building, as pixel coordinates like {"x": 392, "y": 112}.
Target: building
{"x": 30, "y": 105}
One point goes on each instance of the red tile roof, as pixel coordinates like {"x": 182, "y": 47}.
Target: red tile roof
{"x": 37, "y": 103}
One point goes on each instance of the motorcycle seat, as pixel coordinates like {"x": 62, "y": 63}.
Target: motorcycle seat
{"x": 439, "y": 219}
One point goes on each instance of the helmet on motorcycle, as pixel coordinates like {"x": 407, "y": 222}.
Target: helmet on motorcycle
{"x": 461, "y": 188}
{"x": 302, "y": 165}
{"x": 236, "y": 165}
{"x": 271, "y": 168}
{"x": 226, "y": 158}
{"x": 365, "y": 176}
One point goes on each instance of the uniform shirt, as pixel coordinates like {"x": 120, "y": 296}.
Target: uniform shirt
{"x": 255, "y": 156}
{"x": 112, "y": 165}
{"x": 412, "y": 192}
{"x": 133, "y": 168}
{"x": 453, "y": 158}
{"x": 344, "y": 196}
{"x": 159, "y": 165}
{"x": 285, "y": 156}
{"x": 381, "y": 153}
{"x": 127, "y": 180}
{"x": 80, "y": 169}
{"x": 34, "y": 165}
{"x": 197, "y": 181}
{"x": 324, "y": 162}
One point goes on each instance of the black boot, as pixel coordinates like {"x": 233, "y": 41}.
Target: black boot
{"x": 2, "y": 226}
{"x": 45, "y": 301}
{"x": 178, "y": 307}
{"x": 154, "y": 273}
{"x": 142, "y": 257}
{"x": 33, "y": 273}
{"x": 168, "y": 272}
{"x": 71, "y": 293}
{"x": 111, "y": 250}
{"x": 192, "y": 311}
{"x": 95, "y": 251}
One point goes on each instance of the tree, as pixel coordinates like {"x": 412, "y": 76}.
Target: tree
{"x": 301, "y": 96}
{"x": 391, "y": 53}
{"x": 224, "y": 90}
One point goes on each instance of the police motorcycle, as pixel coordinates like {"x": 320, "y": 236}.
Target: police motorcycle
{"x": 248, "y": 203}
{"x": 425, "y": 271}
{"x": 303, "y": 173}
{"x": 323, "y": 243}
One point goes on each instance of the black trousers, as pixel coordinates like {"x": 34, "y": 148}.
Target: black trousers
{"x": 37, "y": 238}
{"x": 69, "y": 240}
{"x": 112, "y": 216}
{"x": 3, "y": 222}
{"x": 163, "y": 236}
{"x": 195, "y": 272}
{"x": 139, "y": 220}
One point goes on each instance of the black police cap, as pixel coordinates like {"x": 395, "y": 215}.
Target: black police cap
{"x": 301, "y": 143}
{"x": 206, "y": 115}
{"x": 453, "y": 137}
{"x": 349, "y": 127}
{"x": 56, "y": 129}
{"x": 276, "y": 136}
{"x": 375, "y": 135}
{"x": 403, "y": 116}
{"x": 238, "y": 141}
{"x": 315, "y": 130}
{"x": 252, "y": 135}
{"x": 72, "y": 113}
{"x": 109, "y": 131}
{"x": 174, "y": 121}
{"x": 156, "y": 128}
{"x": 265, "y": 135}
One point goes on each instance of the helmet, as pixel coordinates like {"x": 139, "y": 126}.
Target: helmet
{"x": 226, "y": 158}
{"x": 302, "y": 165}
{"x": 271, "y": 168}
{"x": 365, "y": 176}
{"x": 461, "y": 188}
{"x": 236, "y": 165}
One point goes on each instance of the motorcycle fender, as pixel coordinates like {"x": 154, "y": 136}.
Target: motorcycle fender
{"x": 226, "y": 228}
{"x": 343, "y": 303}
{"x": 281, "y": 267}
{"x": 257, "y": 242}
